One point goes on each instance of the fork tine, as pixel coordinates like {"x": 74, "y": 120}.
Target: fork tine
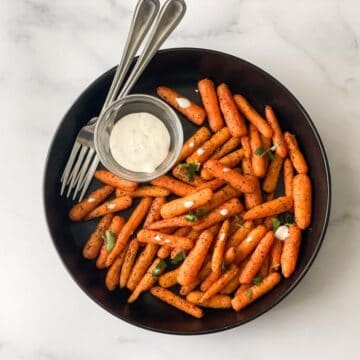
{"x": 67, "y": 171}
{"x": 76, "y": 167}
{"x": 82, "y": 172}
{"x": 89, "y": 176}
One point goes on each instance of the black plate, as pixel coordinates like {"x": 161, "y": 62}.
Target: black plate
{"x": 181, "y": 69}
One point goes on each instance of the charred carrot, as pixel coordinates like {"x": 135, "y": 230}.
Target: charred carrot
{"x": 157, "y": 237}
{"x": 175, "y": 186}
{"x": 302, "y": 200}
{"x": 290, "y": 251}
{"x": 218, "y": 301}
{"x": 129, "y": 260}
{"x": 111, "y": 206}
{"x": 296, "y": 156}
{"x": 108, "y": 178}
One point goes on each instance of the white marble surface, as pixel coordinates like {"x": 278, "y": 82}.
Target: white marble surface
{"x": 50, "y": 51}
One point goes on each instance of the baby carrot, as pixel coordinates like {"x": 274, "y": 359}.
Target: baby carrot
{"x": 288, "y": 177}
{"x": 189, "y": 109}
{"x": 245, "y": 298}
{"x": 240, "y": 182}
{"x": 257, "y": 161}
{"x": 210, "y": 101}
{"x": 241, "y": 233}
{"x": 111, "y": 206}
{"x": 253, "y": 116}
{"x": 265, "y": 266}
{"x": 113, "y": 273}
{"x": 254, "y": 198}
{"x": 154, "y": 211}
{"x": 219, "y": 247}
{"x": 83, "y": 208}
{"x": 128, "y": 229}
{"x": 275, "y": 255}
{"x": 233, "y": 118}
{"x": 232, "y": 285}
{"x": 290, "y": 251}
{"x": 176, "y": 301}
{"x": 164, "y": 252}
{"x": 108, "y": 178}
{"x": 296, "y": 156}
{"x": 169, "y": 279}
{"x": 218, "y": 301}
{"x": 302, "y": 200}
{"x": 181, "y": 173}
{"x": 157, "y": 237}
{"x": 93, "y": 245}
{"x": 177, "y": 187}
{"x": 278, "y": 137}
{"x": 221, "y": 196}
{"x": 179, "y": 221}
{"x": 152, "y": 191}
{"x": 270, "y": 208}
{"x": 273, "y": 173}
{"x": 212, "y": 185}
{"x": 226, "y": 148}
{"x": 209, "y": 280}
{"x": 185, "y": 204}
{"x": 129, "y": 260}
{"x": 191, "y": 266}
{"x": 209, "y": 147}
{"x": 245, "y": 143}
{"x": 194, "y": 142}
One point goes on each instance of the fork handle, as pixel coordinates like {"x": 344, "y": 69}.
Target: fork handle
{"x": 170, "y": 15}
{"x": 144, "y": 15}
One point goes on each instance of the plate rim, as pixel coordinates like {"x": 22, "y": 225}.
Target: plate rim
{"x": 323, "y": 229}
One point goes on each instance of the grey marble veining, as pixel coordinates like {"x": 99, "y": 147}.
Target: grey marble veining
{"x": 51, "y": 50}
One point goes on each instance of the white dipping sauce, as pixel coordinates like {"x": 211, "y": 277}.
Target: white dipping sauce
{"x": 139, "y": 142}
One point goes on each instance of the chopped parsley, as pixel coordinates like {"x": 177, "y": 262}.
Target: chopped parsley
{"x": 193, "y": 215}
{"x": 191, "y": 169}
{"x": 158, "y": 268}
{"x": 109, "y": 240}
{"x": 257, "y": 280}
{"x": 260, "y": 151}
{"x": 178, "y": 258}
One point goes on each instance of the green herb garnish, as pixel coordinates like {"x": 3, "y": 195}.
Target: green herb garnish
{"x": 109, "y": 240}
{"x": 201, "y": 212}
{"x": 287, "y": 218}
{"x": 238, "y": 219}
{"x": 158, "y": 268}
{"x": 193, "y": 215}
{"x": 191, "y": 169}
{"x": 257, "y": 280}
{"x": 178, "y": 258}
{"x": 269, "y": 152}
{"x": 248, "y": 293}
{"x": 275, "y": 223}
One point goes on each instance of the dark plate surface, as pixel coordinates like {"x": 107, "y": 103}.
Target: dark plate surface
{"x": 181, "y": 69}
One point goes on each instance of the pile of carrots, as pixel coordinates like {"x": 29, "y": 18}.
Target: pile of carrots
{"x": 204, "y": 235}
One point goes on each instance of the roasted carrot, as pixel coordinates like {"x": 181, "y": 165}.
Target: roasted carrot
{"x": 257, "y": 161}
{"x": 218, "y": 301}
{"x": 128, "y": 229}
{"x": 210, "y": 101}
{"x": 157, "y": 237}
{"x": 108, "y": 178}
{"x": 265, "y": 266}
{"x": 111, "y": 206}
{"x": 93, "y": 245}
{"x": 241, "y": 289}
{"x": 164, "y": 252}
{"x": 232, "y": 285}
{"x": 296, "y": 156}
{"x": 185, "y": 204}
{"x": 272, "y": 175}
{"x": 290, "y": 251}
{"x": 253, "y": 116}
{"x": 240, "y": 182}
{"x": 194, "y": 142}
{"x": 116, "y": 224}
{"x": 152, "y": 191}
{"x": 181, "y": 173}
{"x": 302, "y": 200}
{"x": 288, "y": 177}
{"x": 83, "y": 208}
{"x": 209, "y": 280}
{"x": 245, "y": 298}
{"x": 230, "y": 255}
{"x": 275, "y": 255}
{"x": 113, "y": 273}
{"x": 189, "y": 109}
{"x": 209, "y": 147}
{"x": 177, "y": 301}
{"x": 221, "y": 196}
{"x": 169, "y": 279}
{"x": 270, "y": 208}
{"x": 221, "y": 213}
{"x": 177, "y": 187}
{"x": 278, "y": 137}
{"x": 191, "y": 266}
{"x": 241, "y": 233}
{"x": 212, "y": 185}
{"x": 254, "y": 198}
{"x": 219, "y": 247}
{"x": 233, "y": 118}
{"x": 129, "y": 260}
{"x": 226, "y": 148}
{"x": 245, "y": 143}
{"x": 179, "y": 221}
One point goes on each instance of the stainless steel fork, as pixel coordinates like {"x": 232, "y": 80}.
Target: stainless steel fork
{"x": 82, "y": 173}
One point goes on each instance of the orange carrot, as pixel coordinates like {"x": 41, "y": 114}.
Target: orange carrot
{"x": 257, "y": 161}
{"x": 288, "y": 177}
{"x": 302, "y": 200}
{"x": 181, "y": 173}
{"x": 232, "y": 285}
{"x": 253, "y": 116}
{"x": 83, "y": 208}
{"x": 194, "y": 142}
{"x": 275, "y": 255}
{"x": 185, "y": 204}
{"x": 290, "y": 251}
{"x": 230, "y": 255}
{"x": 133, "y": 222}
{"x": 93, "y": 245}
{"x": 156, "y": 237}
{"x": 179, "y": 221}
{"x": 219, "y": 247}
{"x": 257, "y": 258}
{"x": 209, "y": 280}
{"x": 177, "y": 301}
{"x": 111, "y": 206}
{"x": 209, "y": 147}
{"x": 272, "y": 176}
{"x": 154, "y": 211}
{"x": 177, "y": 187}
{"x": 209, "y": 99}
{"x": 169, "y": 279}
{"x": 226, "y": 148}
{"x": 265, "y": 267}
{"x": 221, "y": 213}
{"x": 191, "y": 266}
{"x": 241, "y": 233}
{"x": 116, "y": 224}
{"x": 221, "y": 196}
{"x": 255, "y": 198}
{"x": 212, "y": 185}
{"x": 240, "y": 182}
{"x": 245, "y": 143}
{"x": 129, "y": 260}
{"x": 108, "y": 178}
{"x": 270, "y": 208}
{"x": 219, "y": 301}
{"x": 164, "y": 252}
{"x": 113, "y": 274}
{"x": 189, "y": 109}
{"x": 152, "y": 191}
{"x": 233, "y": 118}
{"x": 297, "y": 158}
{"x": 278, "y": 137}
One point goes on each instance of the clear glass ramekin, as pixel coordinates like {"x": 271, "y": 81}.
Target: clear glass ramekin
{"x": 132, "y": 104}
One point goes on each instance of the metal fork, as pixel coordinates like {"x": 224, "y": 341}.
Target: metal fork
{"x": 83, "y": 151}
{"x": 170, "y": 15}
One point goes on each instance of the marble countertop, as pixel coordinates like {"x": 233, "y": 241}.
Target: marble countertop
{"x": 51, "y": 50}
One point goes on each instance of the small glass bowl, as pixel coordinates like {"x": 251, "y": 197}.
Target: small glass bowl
{"x": 133, "y": 104}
